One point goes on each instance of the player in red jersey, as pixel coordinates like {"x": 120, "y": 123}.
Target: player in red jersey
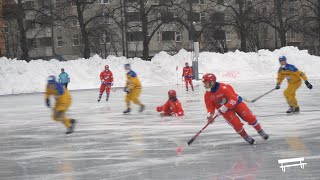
{"x": 221, "y": 100}
{"x": 187, "y": 74}
{"x": 172, "y": 107}
{"x": 106, "y": 78}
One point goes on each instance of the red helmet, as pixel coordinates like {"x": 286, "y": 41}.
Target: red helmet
{"x": 106, "y": 67}
{"x": 209, "y": 77}
{"x": 172, "y": 93}
{"x": 159, "y": 108}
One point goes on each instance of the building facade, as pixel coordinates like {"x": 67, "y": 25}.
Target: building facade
{"x": 115, "y": 27}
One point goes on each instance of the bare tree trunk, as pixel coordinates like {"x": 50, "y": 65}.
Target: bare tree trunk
{"x": 84, "y": 33}
{"x": 283, "y": 39}
{"x": 122, "y": 29}
{"x": 22, "y": 32}
{"x": 144, "y": 22}
{"x": 243, "y": 38}
{"x": 282, "y": 30}
{"x": 318, "y": 15}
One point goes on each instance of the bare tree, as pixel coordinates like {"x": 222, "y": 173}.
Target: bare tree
{"x": 17, "y": 11}
{"x": 37, "y": 16}
{"x": 282, "y": 17}
{"x": 85, "y": 15}
{"x": 309, "y": 21}
{"x": 146, "y": 18}
{"x": 242, "y": 17}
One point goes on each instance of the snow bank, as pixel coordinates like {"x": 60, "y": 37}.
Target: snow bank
{"x": 22, "y": 77}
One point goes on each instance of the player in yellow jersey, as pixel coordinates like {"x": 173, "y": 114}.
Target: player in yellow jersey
{"x": 133, "y": 89}
{"x": 293, "y": 76}
{"x": 63, "y": 101}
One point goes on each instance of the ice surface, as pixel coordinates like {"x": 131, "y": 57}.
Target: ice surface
{"x": 22, "y": 77}
{"x": 109, "y": 145}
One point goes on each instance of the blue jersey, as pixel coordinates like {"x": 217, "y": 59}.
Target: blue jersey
{"x": 64, "y": 78}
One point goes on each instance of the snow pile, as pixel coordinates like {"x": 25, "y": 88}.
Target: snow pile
{"x": 22, "y": 77}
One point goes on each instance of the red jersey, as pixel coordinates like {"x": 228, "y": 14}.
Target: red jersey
{"x": 187, "y": 72}
{"x": 221, "y": 94}
{"x": 173, "y": 106}
{"x": 106, "y": 76}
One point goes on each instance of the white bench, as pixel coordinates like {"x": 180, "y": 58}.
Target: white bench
{"x": 288, "y": 163}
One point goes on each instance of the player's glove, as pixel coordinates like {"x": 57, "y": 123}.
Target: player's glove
{"x": 308, "y": 84}
{"x": 277, "y": 86}
{"x": 48, "y": 102}
{"x": 173, "y": 114}
{"x": 223, "y": 109}
{"x": 212, "y": 116}
{"x": 127, "y": 90}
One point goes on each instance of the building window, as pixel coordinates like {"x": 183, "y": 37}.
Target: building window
{"x": 220, "y": 1}
{"x": 30, "y": 24}
{"x": 168, "y": 36}
{"x": 133, "y": 16}
{"x": 59, "y": 41}
{"x": 196, "y": 16}
{"x": 178, "y": 37}
{"x": 293, "y": 34}
{"x": 105, "y": 18}
{"x": 75, "y": 40}
{"x": 73, "y": 4}
{"x": 202, "y": 17}
{"x": 104, "y": 1}
{"x": 30, "y": 4}
{"x": 158, "y": 36}
{"x": 132, "y": 1}
{"x": 74, "y": 23}
{"x": 165, "y": 2}
{"x": 105, "y": 39}
{"x": 264, "y": 11}
{"x": 198, "y": 1}
{"x": 35, "y": 43}
{"x": 134, "y": 36}
{"x": 5, "y": 28}
{"x": 265, "y": 33}
{"x": 228, "y": 36}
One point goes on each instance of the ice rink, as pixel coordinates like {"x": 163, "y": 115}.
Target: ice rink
{"x": 109, "y": 145}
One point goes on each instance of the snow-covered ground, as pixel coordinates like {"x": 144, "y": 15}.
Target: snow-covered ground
{"x": 108, "y": 145}
{"x": 22, "y": 77}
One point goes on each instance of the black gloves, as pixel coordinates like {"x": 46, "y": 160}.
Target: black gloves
{"x": 277, "y": 86}
{"x": 48, "y": 102}
{"x": 308, "y": 84}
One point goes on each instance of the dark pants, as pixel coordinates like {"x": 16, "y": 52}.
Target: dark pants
{"x": 65, "y": 85}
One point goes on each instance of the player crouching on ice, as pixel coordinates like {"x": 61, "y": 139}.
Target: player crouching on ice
{"x": 106, "y": 78}
{"x": 221, "y": 100}
{"x": 63, "y": 101}
{"x": 172, "y": 107}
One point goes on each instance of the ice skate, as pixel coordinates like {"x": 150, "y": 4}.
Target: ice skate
{"x": 290, "y": 110}
{"x": 250, "y": 140}
{"x": 141, "y": 108}
{"x": 71, "y": 128}
{"x": 263, "y": 134}
{"x": 127, "y": 111}
{"x": 296, "y": 110}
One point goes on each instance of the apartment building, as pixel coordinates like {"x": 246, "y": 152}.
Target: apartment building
{"x": 119, "y": 32}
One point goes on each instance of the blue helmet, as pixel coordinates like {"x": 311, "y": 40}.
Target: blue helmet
{"x": 51, "y": 79}
{"x": 127, "y": 65}
{"x": 282, "y": 58}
